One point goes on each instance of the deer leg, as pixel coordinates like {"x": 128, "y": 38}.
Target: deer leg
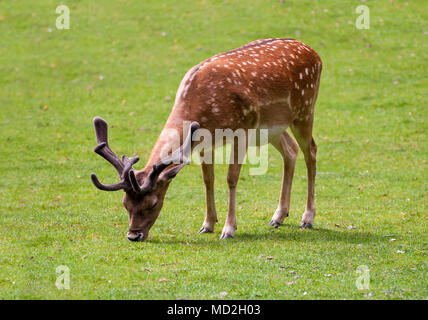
{"x": 303, "y": 133}
{"x": 288, "y": 148}
{"x": 232, "y": 180}
{"x": 211, "y": 214}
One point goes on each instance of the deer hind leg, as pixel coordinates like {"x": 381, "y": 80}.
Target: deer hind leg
{"x": 211, "y": 213}
{"x": 288, "y": 148}
{"x": 302, "y": 131}
{"x": 232, "y": 180}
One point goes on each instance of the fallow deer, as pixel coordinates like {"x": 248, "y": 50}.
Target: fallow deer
{"x": 266, "y": 84}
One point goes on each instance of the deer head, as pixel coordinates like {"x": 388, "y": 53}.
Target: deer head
{"x": 144, "y": 190}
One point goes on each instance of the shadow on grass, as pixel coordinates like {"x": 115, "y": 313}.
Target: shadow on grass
{"x": 285, "y": 234}
{"x": 293, "y": 233}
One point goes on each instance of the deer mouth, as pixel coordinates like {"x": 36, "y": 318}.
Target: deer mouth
{"x": 136, "y": 236}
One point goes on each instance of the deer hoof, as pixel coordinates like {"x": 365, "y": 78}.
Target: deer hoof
{"x": 226, "y": 236}
{"x": 306, "y": 225}
{"x": 205, "y": 230}
{"x": 274, "y": 224}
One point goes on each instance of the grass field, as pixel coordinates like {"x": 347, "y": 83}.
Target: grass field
{"x": 123, "y": 60}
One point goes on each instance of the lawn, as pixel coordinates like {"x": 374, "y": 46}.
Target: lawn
{"x": 123, "y": 60}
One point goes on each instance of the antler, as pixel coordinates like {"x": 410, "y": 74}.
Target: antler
{"x": 123, "y": 166}
{"x": 179, "y": 156}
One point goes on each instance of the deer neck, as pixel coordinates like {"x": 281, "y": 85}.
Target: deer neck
{"x": 170, "y": 138}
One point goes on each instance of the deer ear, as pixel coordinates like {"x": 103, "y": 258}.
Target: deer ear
{"x": 169, "y": 174}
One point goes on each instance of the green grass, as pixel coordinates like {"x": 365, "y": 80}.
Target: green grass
{"x": 120, "y": 60}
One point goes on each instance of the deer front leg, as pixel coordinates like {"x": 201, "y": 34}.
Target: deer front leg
{"x": 211, "y": 214}
{"x": 288, "y": 148}
{"x": 232, "y": 180}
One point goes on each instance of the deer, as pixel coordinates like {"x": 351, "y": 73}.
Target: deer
{"x": 269, "y": 84}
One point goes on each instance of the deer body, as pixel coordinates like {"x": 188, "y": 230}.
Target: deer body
{"x": 267, "y": 84}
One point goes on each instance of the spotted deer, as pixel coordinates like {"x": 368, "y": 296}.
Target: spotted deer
{"x": 267, "y": 84}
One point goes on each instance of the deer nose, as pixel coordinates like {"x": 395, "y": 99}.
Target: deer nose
{"x": 135, "y": 236}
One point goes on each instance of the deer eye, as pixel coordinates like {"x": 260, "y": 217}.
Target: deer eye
{"x": 153, "y": 205}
